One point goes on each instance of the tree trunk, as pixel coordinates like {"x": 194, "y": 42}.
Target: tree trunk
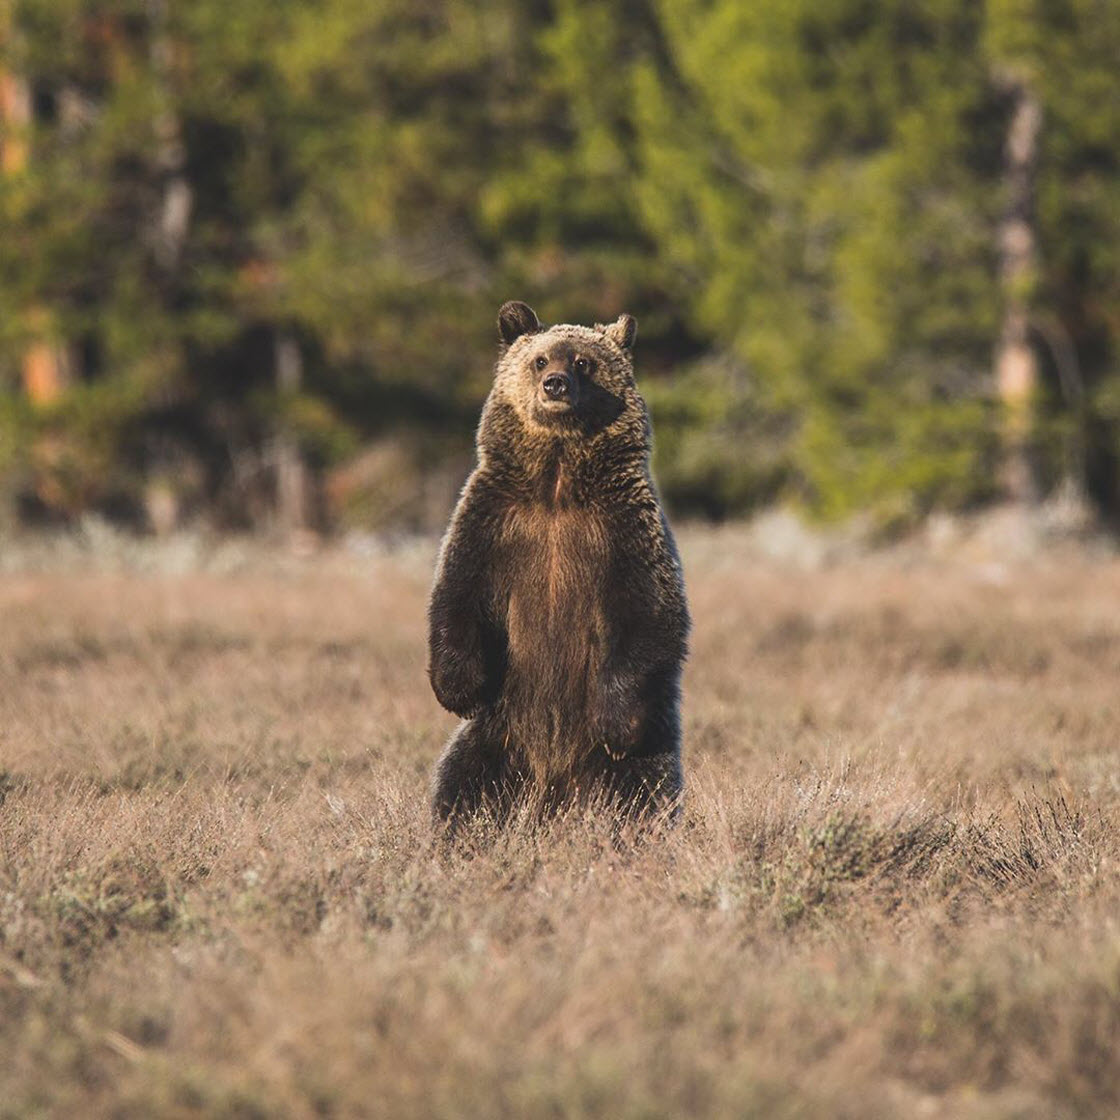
{"x": 1016, "y": 365}
{"x": 292, "y": 491}
{"x": 49, "y": 365}
{"x": 15, "y": 113}
{"x": 171, "y": 154}
{"x": 46, "y": 366}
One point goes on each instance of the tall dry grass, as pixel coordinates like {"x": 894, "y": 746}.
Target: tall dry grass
{"x": 895, "y": 890}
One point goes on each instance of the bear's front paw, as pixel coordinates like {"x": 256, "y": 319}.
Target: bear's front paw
{"x": 619, "y": 722}
{"x": 461, "y": 684}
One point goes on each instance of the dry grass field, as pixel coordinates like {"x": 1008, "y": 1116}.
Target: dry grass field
{"x": 895, "y": 890}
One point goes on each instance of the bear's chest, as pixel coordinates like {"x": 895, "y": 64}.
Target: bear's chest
{"x": 555, "y": 563}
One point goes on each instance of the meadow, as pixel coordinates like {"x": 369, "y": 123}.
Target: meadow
{"x": 894, "y": 892}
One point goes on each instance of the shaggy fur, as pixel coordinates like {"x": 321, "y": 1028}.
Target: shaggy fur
{"x": 558, "y": 621}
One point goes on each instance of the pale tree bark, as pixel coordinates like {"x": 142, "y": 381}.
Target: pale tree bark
{"x": 292, "y": 486}
{"x": 177, "y": 203}
{"x": 169, "y": 225}
{"x": 1016, "y": 364}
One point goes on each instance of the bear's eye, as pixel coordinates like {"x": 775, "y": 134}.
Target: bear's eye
{"x": 581, "y": 365}
{"x": 540, "y": 361}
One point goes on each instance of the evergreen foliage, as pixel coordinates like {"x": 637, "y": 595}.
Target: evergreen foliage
{"x": 799, "y": 201}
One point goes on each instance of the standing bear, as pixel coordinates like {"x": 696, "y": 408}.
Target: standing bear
{"x": 558, "y": 619}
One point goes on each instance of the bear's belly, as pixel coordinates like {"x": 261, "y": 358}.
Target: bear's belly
{"x": 556, "y": 624}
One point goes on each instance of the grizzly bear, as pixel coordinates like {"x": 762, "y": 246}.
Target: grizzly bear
{"x": 558, "y": 620}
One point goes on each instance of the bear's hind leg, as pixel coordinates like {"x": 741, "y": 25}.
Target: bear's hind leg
{"x": 645, "y": 786}
{"x": 471, "y": 776}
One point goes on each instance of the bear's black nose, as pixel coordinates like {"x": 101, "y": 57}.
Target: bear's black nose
{"x": 557, "y": 386}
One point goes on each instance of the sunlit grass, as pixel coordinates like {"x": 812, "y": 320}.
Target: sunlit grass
{"x": 894, "y": 890}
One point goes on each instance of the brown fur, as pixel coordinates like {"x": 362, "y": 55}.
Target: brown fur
{"x": 557, "y": 633}
{"x": 558, "y": 619}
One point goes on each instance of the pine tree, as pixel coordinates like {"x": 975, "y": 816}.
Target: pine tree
{"x": 822, "y": 179}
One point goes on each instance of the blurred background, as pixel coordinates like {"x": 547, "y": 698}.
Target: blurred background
{"x": 251, "y": 252}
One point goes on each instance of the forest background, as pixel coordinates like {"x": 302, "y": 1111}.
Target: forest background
{"x": 251, "y": 254}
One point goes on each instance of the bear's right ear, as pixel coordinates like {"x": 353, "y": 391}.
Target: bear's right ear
{"x": 515, "y": 319}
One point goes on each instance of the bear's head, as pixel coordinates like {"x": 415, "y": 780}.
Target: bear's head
{"x": 567, "y": 380}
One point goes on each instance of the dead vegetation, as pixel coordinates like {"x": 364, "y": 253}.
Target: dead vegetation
{"x": 895, "y": 890}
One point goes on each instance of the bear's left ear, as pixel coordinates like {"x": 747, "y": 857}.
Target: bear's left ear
{"x": 623, "y": 331}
